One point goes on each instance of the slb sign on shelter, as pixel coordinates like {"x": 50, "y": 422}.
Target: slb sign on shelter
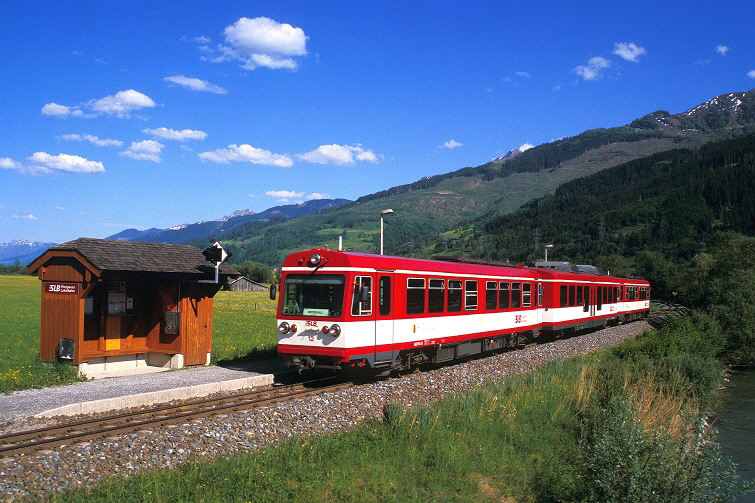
{"x": 63, "y": 288}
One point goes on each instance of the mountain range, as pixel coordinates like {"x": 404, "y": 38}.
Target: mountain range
{"x": 440, "y": 209}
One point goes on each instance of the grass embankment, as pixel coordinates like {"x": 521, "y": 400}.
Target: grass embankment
{"x": 623, "y": 425}
{"x": 244, "y": 327}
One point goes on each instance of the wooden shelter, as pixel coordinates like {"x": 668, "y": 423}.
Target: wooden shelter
{"x": 109, "y": 301}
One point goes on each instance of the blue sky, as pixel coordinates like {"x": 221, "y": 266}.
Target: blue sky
{"x": 153, "y": 114}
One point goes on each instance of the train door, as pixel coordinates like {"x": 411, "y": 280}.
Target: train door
{"x": 384, "y": 317}
{"x": 592, "y": 301}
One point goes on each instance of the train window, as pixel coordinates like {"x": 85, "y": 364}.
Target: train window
{"x": 599, "y": 305}
{"x": 313, "y": 295}
{"x": 503, "y": 295}
{"x": 516, "y": 295}
{"x": 415, "y": 295}
{"x": 361, "y": 299}
{"x": 385, "y": 296}
{"x": 580, "y": 293}
{"x": 454, "y": 295}
{"x": 435, "y": 297}
{"x": 586, "y": 305}
{"x": 491, "y": 295}
{"x": 540, "y": 294}
{"x": 562, "y": 295}
{"x": 526, "y": 294}
{"x": 644, "y": 292}
{"x": 470, "y": 296}
{"x": 572, "y": 295}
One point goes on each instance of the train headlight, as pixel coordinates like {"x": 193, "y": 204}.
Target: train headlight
{"x": 314, "y": 260}
{"x": 284, "y": 328}
{"x": 334, "y": 330}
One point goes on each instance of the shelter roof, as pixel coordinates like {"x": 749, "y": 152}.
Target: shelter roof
{"x": 134, "y": 256}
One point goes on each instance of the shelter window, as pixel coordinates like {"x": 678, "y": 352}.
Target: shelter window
{"x": 116, "y": 297}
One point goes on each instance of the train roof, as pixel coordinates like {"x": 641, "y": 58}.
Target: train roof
{"x": 343, "y": 259}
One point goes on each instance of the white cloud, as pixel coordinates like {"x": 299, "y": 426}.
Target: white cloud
{"x": 25, "y": 217}
{"x": 122, "y": 103}
{"x": 285, "y": 196}
{"x": 451, "y": 144}
{"x": 317, "y": 195}
{"x": 94, "y": 140}
{"x": 629, "y": 51}
{"x": 147, "y": 150}
{"x": 751, "y": 74}
{"x": 8, "y": 163}
{"x": 593, "y": 68}
{"x": 523, "y": 74}
{"x": 722, "y": 49}
{"x": 44, "y": 162}
{"x": 525, "y": 146}
{"x": 247, "y": 153}
{"x": 195, "y": 84}
{"x": 262, "y": 42}
{"x": 55, "y": 110}
{"x": 338, "y": 154}
{"x": 172, "y": 134}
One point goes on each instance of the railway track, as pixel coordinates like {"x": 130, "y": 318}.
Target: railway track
{"x": 25, "y": 442}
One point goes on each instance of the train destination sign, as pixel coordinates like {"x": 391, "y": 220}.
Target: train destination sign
{"x": 62, "y": 288}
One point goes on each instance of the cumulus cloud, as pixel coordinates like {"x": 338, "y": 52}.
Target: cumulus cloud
{"x": 195, "y": 84}
{"x": 751, "y": 74}
{"x": 147, "y": 150}
{"x": 451, "y": 144}
{"x": 525, "y": 146}
{"x": 42, "y": 162}
{"x": 629, "y": 51}
{"x": 94, "y": 140}
{"x": 338, "y": 154}
{"x": 722, "y": 49}
{"x": 56, "y": 110}
{"x": 246, "y": 153}
{"x": 261, "y": 42}
{"x": 172, "y": 134}
{"x": 592, "y": 70}
{"x": 285, "y": 196}
{"x": 122, "y": 103}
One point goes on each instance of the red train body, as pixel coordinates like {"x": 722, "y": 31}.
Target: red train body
{"x": 343, "y": 310}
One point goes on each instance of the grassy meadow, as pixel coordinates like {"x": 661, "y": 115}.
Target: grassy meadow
{"x": 622, "y": 425}
{"x": 244, "y": 327}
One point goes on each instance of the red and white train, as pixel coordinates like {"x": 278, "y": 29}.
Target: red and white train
{"x": 343, "y": 310}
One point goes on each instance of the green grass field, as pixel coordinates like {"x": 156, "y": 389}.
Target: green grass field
{"x": 243, "y": 328}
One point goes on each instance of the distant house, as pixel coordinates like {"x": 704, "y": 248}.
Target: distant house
{"x": 244, "y": 284}
{"x": 106, "y": 303}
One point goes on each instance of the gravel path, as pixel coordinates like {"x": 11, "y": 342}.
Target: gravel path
{"x": 84, "y": 464}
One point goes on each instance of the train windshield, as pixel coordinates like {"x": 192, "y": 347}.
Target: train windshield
{"x": 313, "y": 295}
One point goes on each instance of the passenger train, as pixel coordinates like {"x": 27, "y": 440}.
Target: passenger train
{"x": 353, "y": 311}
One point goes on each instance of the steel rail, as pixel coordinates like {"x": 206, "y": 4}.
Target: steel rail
{"x": 80, "y": 431}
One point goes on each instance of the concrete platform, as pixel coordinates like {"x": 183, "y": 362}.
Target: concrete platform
{"x": 114, "y": 393}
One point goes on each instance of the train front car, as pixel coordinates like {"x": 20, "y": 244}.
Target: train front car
{"x": 316, "y": 327}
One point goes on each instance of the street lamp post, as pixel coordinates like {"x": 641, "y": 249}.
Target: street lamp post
{"x": 382, "y": 214}
{"x": 546, "y": 251}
